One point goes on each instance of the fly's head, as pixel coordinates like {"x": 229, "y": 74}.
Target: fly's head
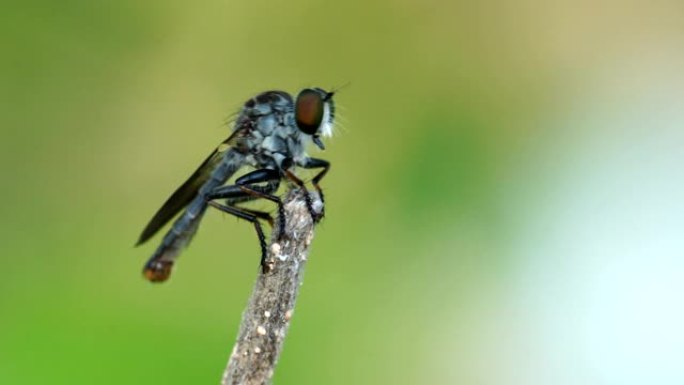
{"x": 315, "y": 114}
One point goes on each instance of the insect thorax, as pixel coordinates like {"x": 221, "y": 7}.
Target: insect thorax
{"x": 271, "y": 135}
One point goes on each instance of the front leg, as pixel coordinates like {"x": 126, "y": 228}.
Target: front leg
{"x": 315, "y": 215}
{"x": 310, "y": 163}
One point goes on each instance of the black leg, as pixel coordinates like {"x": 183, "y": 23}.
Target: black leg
{"x": 307, "y": 198}
{"x": 248, "y": 216}
{"x": 246, "y": 185}
{"x": 317, "y": 163}
{"x": 259, "y": 214}
{"x": 234, "y": 194}
{"x": 247, "y": 189}
{"x": 255, "y": 193}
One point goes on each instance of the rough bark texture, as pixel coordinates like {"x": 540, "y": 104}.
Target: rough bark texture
{"x": 267, "y": 318}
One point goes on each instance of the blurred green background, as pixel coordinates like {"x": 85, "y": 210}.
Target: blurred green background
{"x": 505, "y": 204}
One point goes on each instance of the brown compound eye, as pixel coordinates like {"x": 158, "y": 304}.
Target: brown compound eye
{"x": 309, "y": 111}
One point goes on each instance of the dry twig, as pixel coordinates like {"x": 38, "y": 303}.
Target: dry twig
{"x": 267, "y": 317}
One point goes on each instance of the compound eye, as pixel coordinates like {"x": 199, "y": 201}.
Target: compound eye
{"x": 309, "y": 111}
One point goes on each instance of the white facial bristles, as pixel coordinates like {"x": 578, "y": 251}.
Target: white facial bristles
{"x": 326, "y": 128}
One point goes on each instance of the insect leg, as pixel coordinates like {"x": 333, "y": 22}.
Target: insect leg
{"x": 246, "y": 189}
{"x": 240, "y": 213}
{"x": 310, "y": 163}
{"x": 307, "y": 198}
{"x": 246, "y": 184}
{"x": 259, "y": 214}
{"x": 233, "y": 194}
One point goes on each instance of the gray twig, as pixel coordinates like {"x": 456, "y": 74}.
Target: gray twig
{"x": 267, "y": 317}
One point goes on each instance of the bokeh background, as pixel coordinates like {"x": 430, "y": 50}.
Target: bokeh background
{"x": 505, "y": 204}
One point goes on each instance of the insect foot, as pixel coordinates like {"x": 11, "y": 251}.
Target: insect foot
{"x": 317, "y": 208}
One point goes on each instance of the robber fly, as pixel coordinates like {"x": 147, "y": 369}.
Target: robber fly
{"x": 270, "y": 135}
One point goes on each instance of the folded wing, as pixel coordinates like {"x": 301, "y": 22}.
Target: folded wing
{"x": 185, "y": 193}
